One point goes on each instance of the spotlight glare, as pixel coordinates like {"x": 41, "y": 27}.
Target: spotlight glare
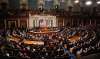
{"x": 88, "y": 3}
{"x": 98, "y": 2}
{"x": 76, "y": 1}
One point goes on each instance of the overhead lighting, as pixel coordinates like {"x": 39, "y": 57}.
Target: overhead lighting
{"x": 98, "y": 2}
{"x": 88, "y": 3}
{"x": 76, "y": 1}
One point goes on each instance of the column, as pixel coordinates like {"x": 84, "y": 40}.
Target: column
{"x": 24, "y": 4}
{"x": 56, "y": 4}
{"x": 69, "y": 4}
{"x": 19, "y": 22}
{"x": 5, "y": 23}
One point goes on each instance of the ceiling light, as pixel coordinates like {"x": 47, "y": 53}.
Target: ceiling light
{"x": 88, "y": 3}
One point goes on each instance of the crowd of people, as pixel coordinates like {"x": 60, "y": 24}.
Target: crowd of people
{"x": 56, "y": 45}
